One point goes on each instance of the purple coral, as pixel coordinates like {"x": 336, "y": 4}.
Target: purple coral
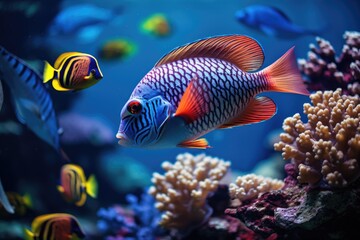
{"x": 138, "y": 221}
{"x": 325, "y": 71}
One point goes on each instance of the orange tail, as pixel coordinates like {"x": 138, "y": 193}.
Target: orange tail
{"x": 284, "y": 76}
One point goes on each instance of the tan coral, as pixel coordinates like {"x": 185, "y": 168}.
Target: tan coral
{"x": 327, "y": 147}
{"x": 251, "y": 186}
{"x": 182, "y": 191}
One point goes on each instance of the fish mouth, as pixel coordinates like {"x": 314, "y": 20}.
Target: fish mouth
{"x": 122, "y": 138}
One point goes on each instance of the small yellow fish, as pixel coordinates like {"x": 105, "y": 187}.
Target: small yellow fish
{"x": 117, "y": 49}
{"x": 74, "y": 186}
{"x": 156, "y": 24}
{"x": 55, "y": 226}
{"x": 20, "y": 203}
{"x": 73, "y": 71}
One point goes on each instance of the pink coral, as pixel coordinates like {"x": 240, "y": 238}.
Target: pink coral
{"x": 326, "y": 149}
{"x": 325, "y": 71}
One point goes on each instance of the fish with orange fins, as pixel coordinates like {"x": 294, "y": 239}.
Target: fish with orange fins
{"x": 74, "y": 186}
{"x": 209, "y": 84}
{"x": 73, "y": 71}
{"x": 55, "y": 226}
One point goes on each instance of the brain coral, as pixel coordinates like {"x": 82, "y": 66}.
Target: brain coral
{"x": 182, "y": 191}
{"x": 252, "y": 186}
{"x": 326, "y": 149}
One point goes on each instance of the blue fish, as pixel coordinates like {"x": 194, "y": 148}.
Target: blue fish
{"x": 271, "y": 21}
{"x": 32, "y": 102}
{"x": 84, "y": 20}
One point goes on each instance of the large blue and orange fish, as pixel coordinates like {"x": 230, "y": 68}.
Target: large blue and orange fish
{"x": 202, "y": 86}
{"x": 55, "y": 226}
{"x": 32, "y": 102}
{"x": 74, "y": 186}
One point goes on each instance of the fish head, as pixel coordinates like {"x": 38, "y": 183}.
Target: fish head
{"x": 94, "y": 69}
{"x": 142, "y": 121}
{"x": 246, "y": 16}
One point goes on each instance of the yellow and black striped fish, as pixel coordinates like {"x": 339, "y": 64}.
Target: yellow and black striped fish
{"x": 55, "y": 226}
{"x": 73, "y": 71}
{"x": 74, "y": 186}
{"x": 20, "y": 203}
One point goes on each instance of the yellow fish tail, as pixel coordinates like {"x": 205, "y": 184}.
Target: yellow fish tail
{"x": 28, "y": 234}
{"x": 49, "y": 72}
{"x": 92, "y": 186}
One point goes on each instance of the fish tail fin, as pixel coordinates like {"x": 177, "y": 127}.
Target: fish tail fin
{"x": 28, "y": 234}
{"x": 27, "y": 200}
{"x": 284, "y": 75}
{"x": 92, "y": 186}
{"x": 49, "y": 72}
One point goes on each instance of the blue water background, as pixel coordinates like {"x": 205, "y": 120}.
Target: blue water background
{"x": 195, "y": 19}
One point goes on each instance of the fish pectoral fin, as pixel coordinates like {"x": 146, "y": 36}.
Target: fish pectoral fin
{"x": 200, "y": 143}
{"x": 260, "y": 109}
{"x": 191, "y": 104}
{"x": 56, "y": 85}
{"x": 268, "y": 30}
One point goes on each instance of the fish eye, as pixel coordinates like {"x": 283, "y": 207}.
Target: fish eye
{"x": 93, "y": 71}
{"x": 134, "y": 107}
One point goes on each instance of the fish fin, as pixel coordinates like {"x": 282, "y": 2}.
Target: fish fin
{"x": 5, "y": 201}
{"x": 280, "y": 12}
{"x": 19, "y": 114}
{"x": 49, "y": 72}
{"x": 28, "y": 234}
{"x": 245, "y": 52}
{"x": 260, "y": 109}
{"x": 268, "y": 30}
{"x": 92, "y": 186}
{"x": 56, "y": 85}
{"x": 60, "y": 188}
{"x": 200, "y": 143}
{"x": 27, "y": 200}
{"x": 63, "y": 155}
{"x": 191, "y": 103}
{"x": 284, "y": 76}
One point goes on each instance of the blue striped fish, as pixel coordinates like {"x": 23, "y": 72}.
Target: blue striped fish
{"x": 32, "y": 102}
{"x": 202, "y": 86}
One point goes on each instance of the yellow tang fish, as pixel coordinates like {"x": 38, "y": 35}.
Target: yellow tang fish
{"x": 73, "y": 71}
{"x": 55, "y": 226}
{"x": 74, "y": 185}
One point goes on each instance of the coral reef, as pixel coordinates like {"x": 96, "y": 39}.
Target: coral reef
{"x": 138, "y": 221}
{"x": 252, "y": 186}
{"x": 325, "y": 71}
{"x": 326, "y": 149}
{"x": 182, "y": 191}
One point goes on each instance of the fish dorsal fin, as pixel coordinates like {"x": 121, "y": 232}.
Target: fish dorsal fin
{"x": 281, "y": 13}
{"x": 260, "y": 109}
{"x": 63, "y": 57}
{"x": 201, "y": 143}
{"x": 191, "y": 104}
{"x": 245, "y": 52}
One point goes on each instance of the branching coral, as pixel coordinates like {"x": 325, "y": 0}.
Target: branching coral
{"x": 252, "y": 186}
{"x": 325, "y": 71}
{"x": 182, "y": 191}
{"x": 326, "y": 149}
